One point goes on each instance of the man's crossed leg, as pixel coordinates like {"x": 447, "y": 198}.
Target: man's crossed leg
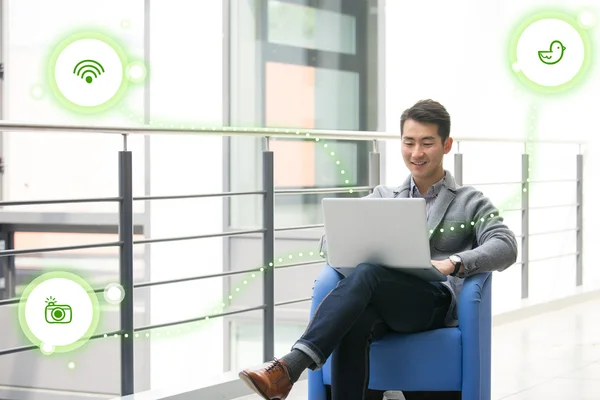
{"x": 364, "y": 306}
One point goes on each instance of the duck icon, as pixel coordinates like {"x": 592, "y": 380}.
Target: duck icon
{"x": 554, "y": 55}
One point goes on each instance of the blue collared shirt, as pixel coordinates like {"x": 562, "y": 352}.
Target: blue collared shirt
{"x": 431, "y": 194}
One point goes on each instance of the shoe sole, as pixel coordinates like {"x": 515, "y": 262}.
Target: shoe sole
{"x": 250, "y": 383}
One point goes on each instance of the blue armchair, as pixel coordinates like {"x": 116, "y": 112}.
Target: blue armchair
{"x": 428, "y": 361}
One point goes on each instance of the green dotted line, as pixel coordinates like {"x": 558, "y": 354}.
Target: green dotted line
{"x": 280, "y": 261}
{"x": 169, "y": 331}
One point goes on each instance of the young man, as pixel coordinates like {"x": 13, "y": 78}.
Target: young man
{"x": 469, "y": 237}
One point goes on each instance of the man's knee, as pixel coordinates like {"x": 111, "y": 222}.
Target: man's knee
{"x": 366, "y": 269}
{"x": 363, "y": 326}
{"x": 367, "y": 329}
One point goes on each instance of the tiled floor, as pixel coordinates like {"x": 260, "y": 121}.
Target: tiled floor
{"x": 551, "y": 356}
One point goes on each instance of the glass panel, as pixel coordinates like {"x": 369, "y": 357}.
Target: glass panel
{"x": 294, "y": 163}
{"x": 337, "y": 107}
{"x": 290, "y": 95}
{"x": 311, "y": 28}
{"x": 31, "y": 99}
{"x": 314, "y": 98}
{"x": 337, "y": 99}
{"x": 246, "y": 341}
{"x": 98, "y": 266}
{"x": 304, "y": 96}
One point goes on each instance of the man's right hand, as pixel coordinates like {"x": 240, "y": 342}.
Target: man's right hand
{"x": 446, "y": 266}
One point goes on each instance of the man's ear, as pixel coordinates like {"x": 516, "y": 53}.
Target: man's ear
{"x": 448, "y": 145}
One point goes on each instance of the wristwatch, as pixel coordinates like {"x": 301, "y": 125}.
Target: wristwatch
{"x": 457, "y": 261}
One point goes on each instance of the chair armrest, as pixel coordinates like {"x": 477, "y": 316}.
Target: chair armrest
{"x": 475, "y": 324}
{"x": 325, "y": 283}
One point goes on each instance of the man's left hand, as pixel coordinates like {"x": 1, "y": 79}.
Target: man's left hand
{"x": 446, "y": 266}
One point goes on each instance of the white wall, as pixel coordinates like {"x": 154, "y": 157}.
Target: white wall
{"x": 186, "y": 88}
{"x": 186, "y": 76}
{"x": 457, "y": 53}
{"x": 41, "y": 165}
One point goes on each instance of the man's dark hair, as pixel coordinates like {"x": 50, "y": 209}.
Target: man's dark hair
{"x": 428, "y": 112}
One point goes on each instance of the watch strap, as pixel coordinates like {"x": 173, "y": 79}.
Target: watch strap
{"x": 457, "y": 264}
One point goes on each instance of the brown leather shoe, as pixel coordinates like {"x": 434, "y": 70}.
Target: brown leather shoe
{"x": 272, "y": 382}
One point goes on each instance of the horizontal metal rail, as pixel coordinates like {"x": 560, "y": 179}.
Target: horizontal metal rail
{"x": 511, "y": 209}
{"x": 323, "y": 190}
{"x": 7, "y": 302}
{"x": 517, "y": 140}
{"x": 59, "y": 201}
{"x": 5, "y": 253}
{"x": 187, "y": 321}
{"x": 553, "y": 232}
{"x": 300, "y": 264}
{"x": 297, "y": 228}
{"x": 198, "y": 196}
{"x": 194, "y": 278}
{"x": 519, "y": 182}
{"x": 16, "y": 300}
{"x": 106, "y": 334}
{"x": 20, "y": 349}
{"x": 8, "y": 126}
{"x": 219, "y": 275}
{"x": 553, "y": 181}
{"x": 492, "y": 183}
{"x": 11, "y": 126}
{"x": 192, "y": 237}
{"x": 553, "y": 206}
{"x": 285, "y": 303}
{"x": 553, "y": 257}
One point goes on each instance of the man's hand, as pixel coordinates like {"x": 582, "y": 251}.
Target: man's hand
{"x": 446, "y": 266}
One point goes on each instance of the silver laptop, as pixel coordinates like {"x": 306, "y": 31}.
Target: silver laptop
{"x": 392, "y": 233}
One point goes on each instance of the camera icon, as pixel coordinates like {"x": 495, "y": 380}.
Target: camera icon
{"x": 58, "y": 313}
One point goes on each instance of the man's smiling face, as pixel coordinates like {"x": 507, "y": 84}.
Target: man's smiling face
{"x": 423, "y": 150}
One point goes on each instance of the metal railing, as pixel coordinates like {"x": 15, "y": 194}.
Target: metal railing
{"x": 126, "y": 240}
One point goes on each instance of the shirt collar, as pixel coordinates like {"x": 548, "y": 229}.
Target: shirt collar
{"x": 433, "y": 191}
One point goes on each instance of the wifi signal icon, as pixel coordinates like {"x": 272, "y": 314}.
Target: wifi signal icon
{"x": 87, "y": 68}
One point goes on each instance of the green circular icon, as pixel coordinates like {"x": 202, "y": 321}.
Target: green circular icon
{"x": 86, "y": 72}
{"x": 550, "y": 52}
{"x": 58, "y": 312}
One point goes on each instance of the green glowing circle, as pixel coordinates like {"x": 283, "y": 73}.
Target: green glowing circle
{"x": 513, "y": 61}
{"x": 37, "y": 92}
{"x": 136, "y": 71}
{"x": 50, "y": 348}
{"x": 64, "y": 101}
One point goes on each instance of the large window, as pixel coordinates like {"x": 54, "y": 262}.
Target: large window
{"x": 312, "y": 70}
{"x": 299, "y": 64}
{"x": 179, "y": 41}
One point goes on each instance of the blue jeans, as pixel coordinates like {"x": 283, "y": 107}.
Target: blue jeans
{"x": 364, "y": 306}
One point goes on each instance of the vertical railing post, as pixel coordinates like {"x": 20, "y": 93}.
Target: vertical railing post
{"x": 268, "y": 179}
{"x": 579, "y": 273}
{"x": 525, "y": 226}
{"x": 375, "y": 165}
{"x": 126, "y": 269}
{"x": 11, "y": 276}
{"x": 7, "y": 265}
{"x": 458, "y": 165}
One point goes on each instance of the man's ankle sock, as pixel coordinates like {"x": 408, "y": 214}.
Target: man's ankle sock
{"x": 297, "y": 361}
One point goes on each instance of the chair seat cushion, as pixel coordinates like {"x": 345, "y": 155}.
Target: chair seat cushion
{"x": 429, "y": 361}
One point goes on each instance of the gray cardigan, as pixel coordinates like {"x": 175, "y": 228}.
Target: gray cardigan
{"x": 463, "y": 222}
